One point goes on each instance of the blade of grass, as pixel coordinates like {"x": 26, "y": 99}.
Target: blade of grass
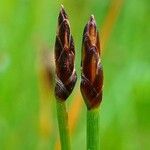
{"x": 110, "y": 20}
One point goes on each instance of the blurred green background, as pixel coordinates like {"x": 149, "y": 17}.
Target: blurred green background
{"x": 27, "y": 106}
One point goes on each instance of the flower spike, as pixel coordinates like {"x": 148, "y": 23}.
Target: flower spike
{"x": 91, "y": 67}
{"x": 64, "y": 58}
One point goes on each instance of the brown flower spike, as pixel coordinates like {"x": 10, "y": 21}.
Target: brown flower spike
{"x": 64, "y": 58}
{"x": 92, "y": 72}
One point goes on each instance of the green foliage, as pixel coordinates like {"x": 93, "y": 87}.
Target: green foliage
{"x": 26, "y": 26}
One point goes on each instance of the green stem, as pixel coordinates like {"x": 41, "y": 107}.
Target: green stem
{"x": 93, "y": 134}
{"x": 62, "y": 116}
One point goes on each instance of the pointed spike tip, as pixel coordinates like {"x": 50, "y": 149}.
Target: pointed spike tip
{"x": 92, "y": 18}
{"x": 62, "y": 15}
{"x": 62, "y": 10}
{"x": 62, "y": 6}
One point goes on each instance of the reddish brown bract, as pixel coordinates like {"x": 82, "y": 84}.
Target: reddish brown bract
{"x": 64, "y": 58}
{"x": 92, "y": 72}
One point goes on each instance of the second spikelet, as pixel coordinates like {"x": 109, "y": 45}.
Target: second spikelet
{"x": 91, "y": 67}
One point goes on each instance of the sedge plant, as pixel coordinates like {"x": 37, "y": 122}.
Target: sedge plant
{"x": 65, "y": 75}
{"x": 91, "y": 82}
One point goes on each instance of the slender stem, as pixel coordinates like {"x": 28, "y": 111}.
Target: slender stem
{"x": 93, "y": 134}
{"x": 62, "y": 117}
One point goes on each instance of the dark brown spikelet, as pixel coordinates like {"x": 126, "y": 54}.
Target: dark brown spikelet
{"x": 92, "y": 72}
{"x": 64, "y": 58}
